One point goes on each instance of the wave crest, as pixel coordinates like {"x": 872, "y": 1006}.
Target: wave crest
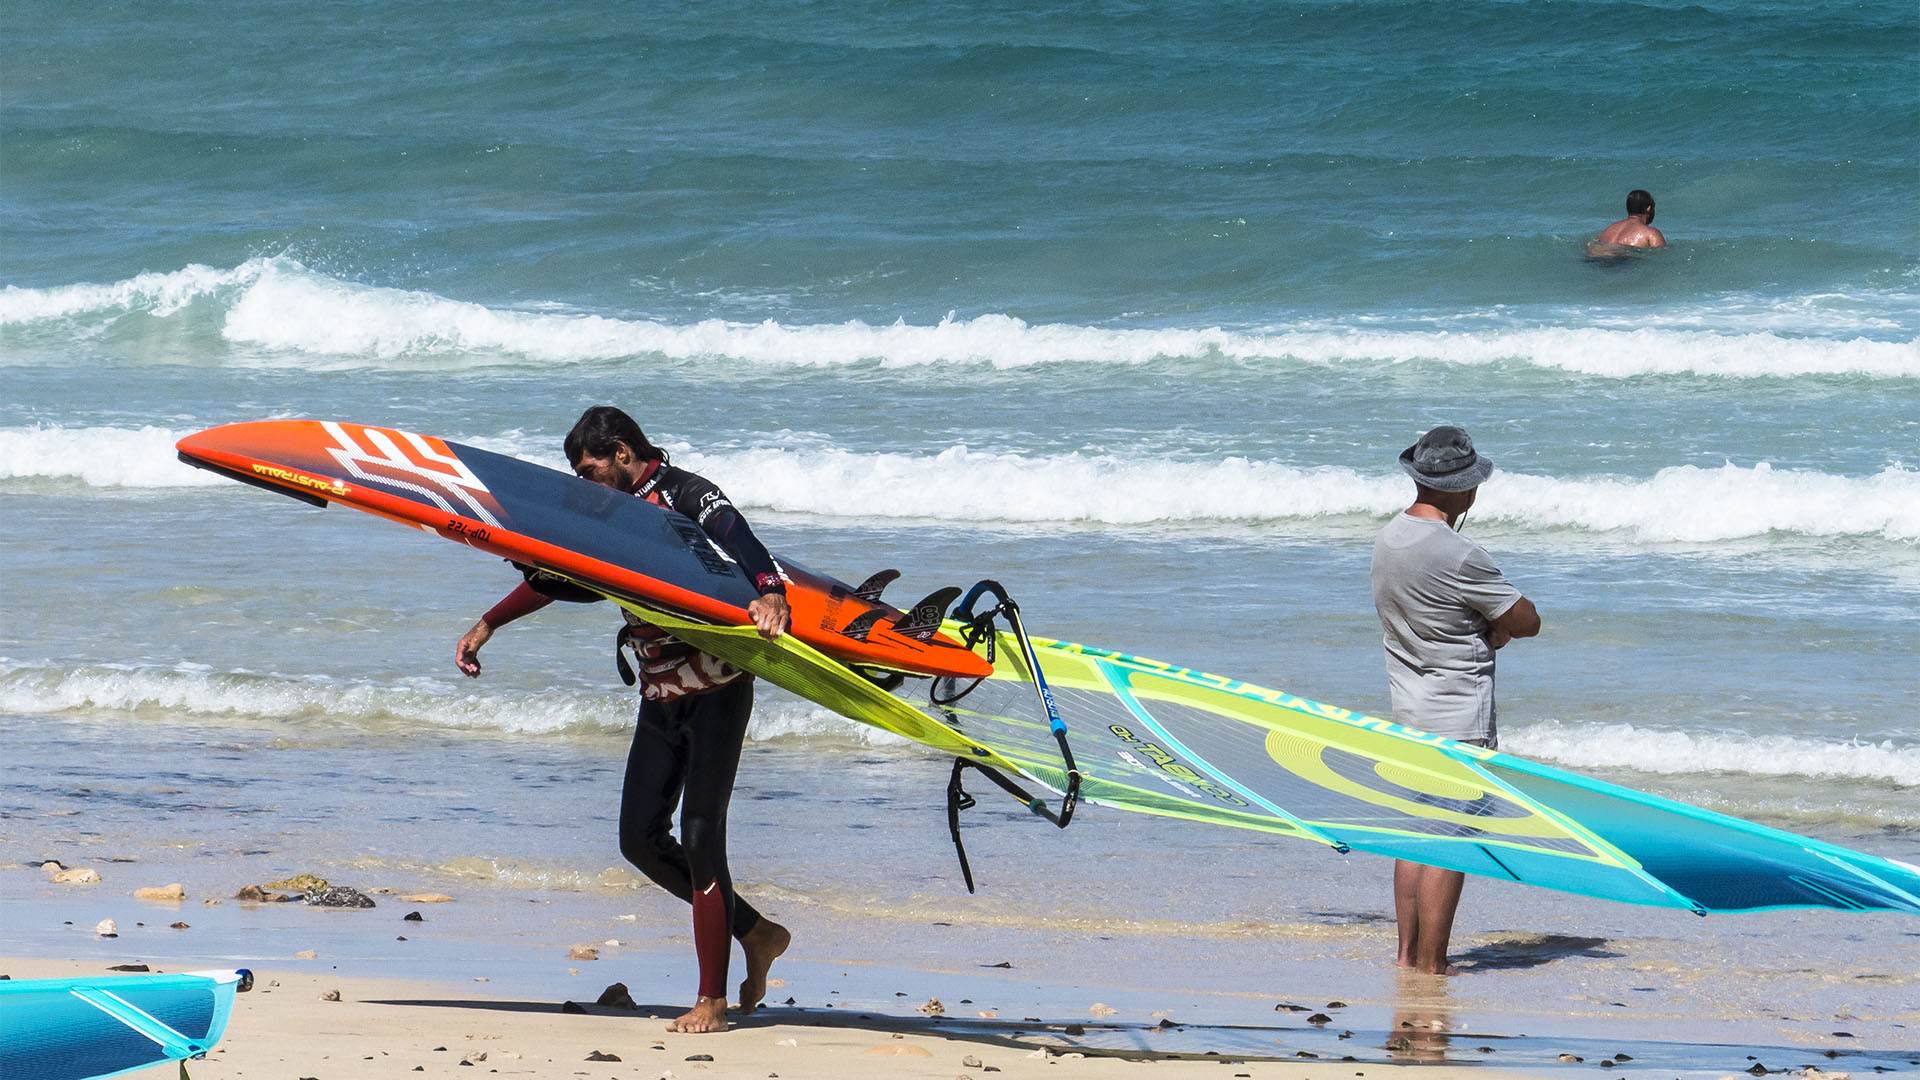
{"x": 274, "y": 307}
{"x": 1682, "y": 504}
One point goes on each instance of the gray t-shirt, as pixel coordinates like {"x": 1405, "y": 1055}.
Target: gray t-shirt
{"x": 1436, "y": 591}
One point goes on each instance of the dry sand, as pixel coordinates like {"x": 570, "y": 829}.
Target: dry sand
{"x": 286, "y": 1029}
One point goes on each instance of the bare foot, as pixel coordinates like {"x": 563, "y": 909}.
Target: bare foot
{"x": 707, "y": 1014}
{"x": 763, "y": 945}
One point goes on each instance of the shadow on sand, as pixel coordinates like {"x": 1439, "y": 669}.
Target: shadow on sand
{"x": 1532, "y": 950}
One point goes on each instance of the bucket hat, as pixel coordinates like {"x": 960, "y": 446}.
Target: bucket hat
{"x": 1444, "y": 460}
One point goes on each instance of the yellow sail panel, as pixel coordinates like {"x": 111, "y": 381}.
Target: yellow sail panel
{"x": 794, "y": 665}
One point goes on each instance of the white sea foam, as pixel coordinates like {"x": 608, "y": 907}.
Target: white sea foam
{"x": 277, "y": 307}
{"x": 1685, "y": 504}
{"x": 1590, "y": 746}
{"x": 99, "y": 457}
{"x": 196, "y": 692}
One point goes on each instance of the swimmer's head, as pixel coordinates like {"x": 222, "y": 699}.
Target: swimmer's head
{"x": 1640, "y": 202}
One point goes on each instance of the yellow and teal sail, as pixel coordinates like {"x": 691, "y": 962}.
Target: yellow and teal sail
{"x": 1157, "y": 739}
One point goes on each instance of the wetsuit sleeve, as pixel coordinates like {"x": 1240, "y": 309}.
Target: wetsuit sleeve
{"x": 704, "y": 502}
{"x": 523, "y": 600}
{"x": 555, "y": 587}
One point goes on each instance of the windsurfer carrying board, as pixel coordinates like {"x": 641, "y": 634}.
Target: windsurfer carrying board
{"x": 693, "y": 715}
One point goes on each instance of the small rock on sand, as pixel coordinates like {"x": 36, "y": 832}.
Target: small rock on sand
{"x": 1101, "y": 1008}
{"x": 583, "y": 952}
{"x": 106, "y": 928}
{"x": 306, "y": 954}
{"x": 331, "y": 995}
{"x": 426, "y": 898}
{"x": 175, "y": 891}
{"x": 599, "y": 1055}
{"x": 616, "y": 996}
{"x": 970, "y": 1062}
{"x": 260, "y": 895}
{"x": 338, "y": 896}
{"x": 899, "y": 1050}
{"x": 82, "y": 876}
{"x": 178, "y": 926}
{"x": 934, "y": 1007}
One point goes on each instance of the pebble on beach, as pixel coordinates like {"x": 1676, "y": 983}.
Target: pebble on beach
{"x": 306, "y": 954}
{"x": 617, "y": 997}
{"x": 934, "y": 1007}
{"x": 259, "y": 894}
{"x": 106, "y": 928}
{"x": 583, "y": 952}
{"x": 175, "y": 891}
{"x": 338, "y": 896}
{"x": 81, "y": 876}
{"x": 426, "y": 898}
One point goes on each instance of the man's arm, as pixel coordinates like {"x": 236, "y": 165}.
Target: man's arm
{"x": 523, "y": 600}
{"x": 1520, "y": 620}
{"x": 715, "y": 515}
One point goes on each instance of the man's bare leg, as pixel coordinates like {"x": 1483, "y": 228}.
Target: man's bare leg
{"x": 1425, "y": 899}
{"x": 707, "y": 1014}
{"x": 1406, "y": 908}
{"x": 763, "y": 945}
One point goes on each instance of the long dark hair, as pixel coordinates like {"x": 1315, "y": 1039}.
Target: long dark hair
{"x": 601, "y": 428}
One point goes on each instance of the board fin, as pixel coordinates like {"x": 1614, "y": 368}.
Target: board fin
{"x": 870, "y": 589}
{"x": 922, "y": 621}
{"x": 862, "y": 625}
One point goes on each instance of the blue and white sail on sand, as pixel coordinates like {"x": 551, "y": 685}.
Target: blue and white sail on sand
{"x": 105, "y": 1025}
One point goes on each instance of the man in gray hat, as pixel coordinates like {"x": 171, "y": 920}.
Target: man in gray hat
{"x": 1445, "y": 608}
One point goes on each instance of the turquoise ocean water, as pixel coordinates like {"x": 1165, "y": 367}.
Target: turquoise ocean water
{"x": 1127, "y": 306}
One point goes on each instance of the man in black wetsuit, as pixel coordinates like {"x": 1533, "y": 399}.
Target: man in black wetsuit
{"x": 693, "y": 715}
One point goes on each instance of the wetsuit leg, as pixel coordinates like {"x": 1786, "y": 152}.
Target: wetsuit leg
{"x": 716, "y": 726}
{"x": 657, "y": 771}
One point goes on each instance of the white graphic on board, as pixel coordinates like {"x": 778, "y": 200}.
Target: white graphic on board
{"x": 443, "y": 477}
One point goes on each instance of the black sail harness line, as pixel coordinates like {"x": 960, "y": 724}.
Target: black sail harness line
{"x": 979, "y": 628}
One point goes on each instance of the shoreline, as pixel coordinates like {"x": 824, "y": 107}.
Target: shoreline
{"x": 328, "y": 1025}
{"x": 829, "y": 1016}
